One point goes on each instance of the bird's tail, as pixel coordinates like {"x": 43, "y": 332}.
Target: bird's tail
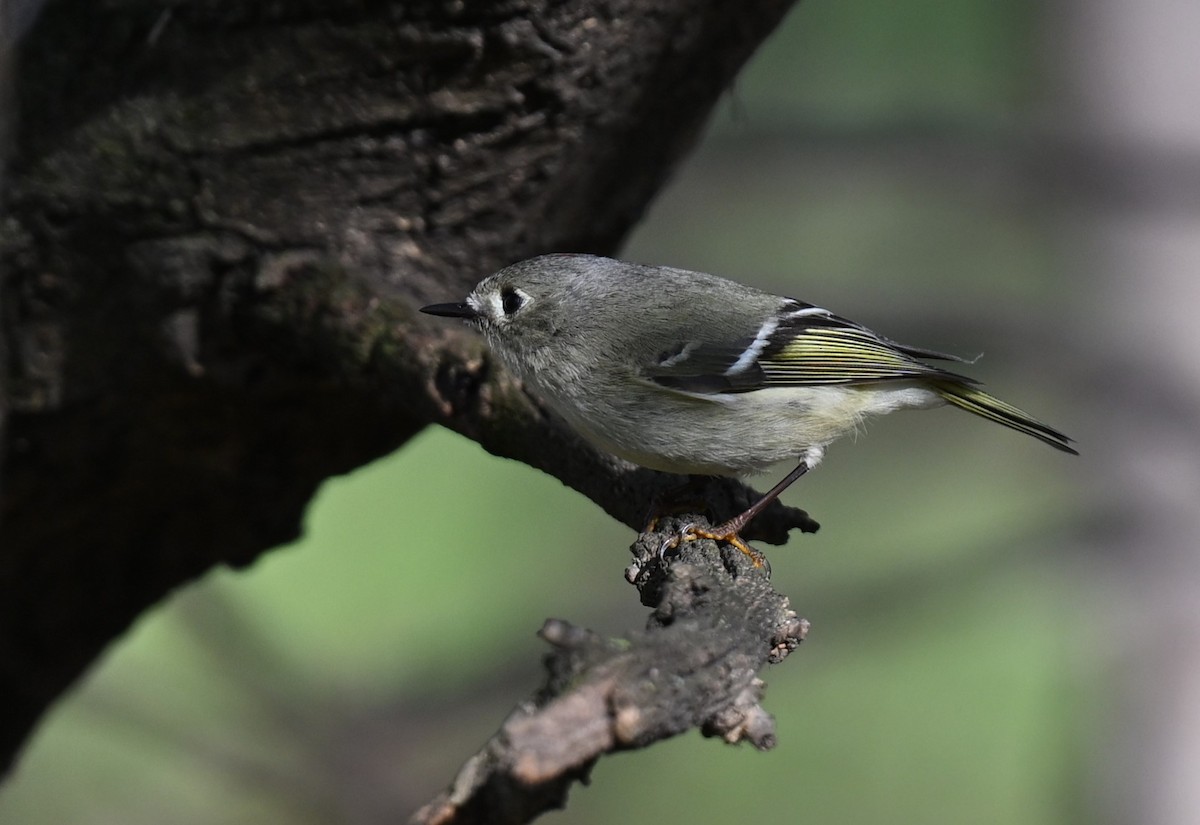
{"x": 974, "y": 400}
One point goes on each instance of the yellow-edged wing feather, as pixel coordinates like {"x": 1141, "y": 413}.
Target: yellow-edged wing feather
{"x": 811, "y": 347}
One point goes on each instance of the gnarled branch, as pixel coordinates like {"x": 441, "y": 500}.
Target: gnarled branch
{"x": 716, "y": 621}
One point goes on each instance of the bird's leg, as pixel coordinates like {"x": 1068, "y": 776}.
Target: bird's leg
{"x": 729, "y": 530}
{"x": 738, "y": 523}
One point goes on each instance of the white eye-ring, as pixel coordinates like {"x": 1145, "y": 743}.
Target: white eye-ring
{"x": 511, "y": 300}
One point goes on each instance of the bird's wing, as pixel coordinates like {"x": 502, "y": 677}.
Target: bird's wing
{"x": 801, "y": 345}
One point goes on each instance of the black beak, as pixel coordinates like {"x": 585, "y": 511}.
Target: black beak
{"x": 463, "y": 310}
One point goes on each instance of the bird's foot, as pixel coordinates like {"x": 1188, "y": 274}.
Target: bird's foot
{"x": 690, "y": 532}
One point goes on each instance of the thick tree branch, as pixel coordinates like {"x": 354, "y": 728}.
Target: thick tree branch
{"x": 220, "y": 216}
{"x": 716, "y": 621}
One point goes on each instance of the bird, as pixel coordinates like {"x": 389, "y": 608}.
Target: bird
{"x": 692, "y": 373}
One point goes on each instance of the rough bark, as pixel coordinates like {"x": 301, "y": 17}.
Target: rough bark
{"x": 716, "y": 621}
{"x": 219, "y": 217}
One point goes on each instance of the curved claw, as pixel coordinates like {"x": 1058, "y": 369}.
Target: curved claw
{"x": 673, "y": 541}
{"x": 668, "y": 544}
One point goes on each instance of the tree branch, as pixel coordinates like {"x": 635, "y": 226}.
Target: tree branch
{"x": 716, "y": 621}
{"x": 220, "y": 217}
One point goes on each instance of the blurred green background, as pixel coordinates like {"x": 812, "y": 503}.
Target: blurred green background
{"x": 862, "y": 163}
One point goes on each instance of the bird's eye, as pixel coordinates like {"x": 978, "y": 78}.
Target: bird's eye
{"x": 511, "y": 300}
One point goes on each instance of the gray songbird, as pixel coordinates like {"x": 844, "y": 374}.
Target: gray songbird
{"x": 691, "y": 373}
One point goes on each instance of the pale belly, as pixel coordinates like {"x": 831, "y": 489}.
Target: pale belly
{"x": 735, "y": 434}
